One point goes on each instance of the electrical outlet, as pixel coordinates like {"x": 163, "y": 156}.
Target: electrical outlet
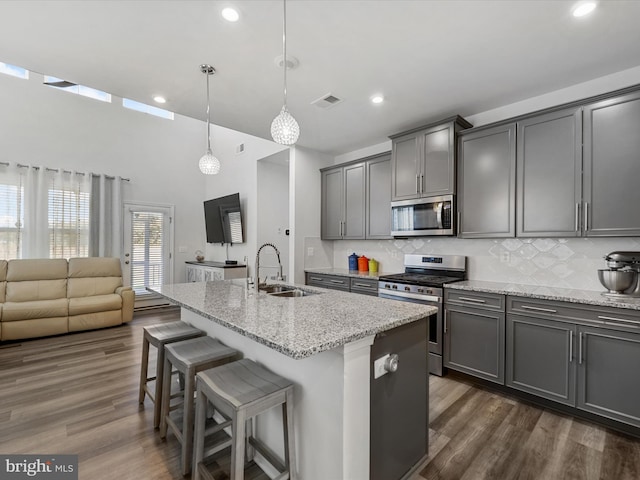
{"x": 310, "y": 252}
{"x": 182, "y": 249}
{"x": 505, "y": 257}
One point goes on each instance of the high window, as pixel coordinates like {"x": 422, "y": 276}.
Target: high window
{"x": 144, "y": 108}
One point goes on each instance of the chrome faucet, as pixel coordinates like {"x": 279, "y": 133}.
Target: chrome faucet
{"x": 258, "y": 264}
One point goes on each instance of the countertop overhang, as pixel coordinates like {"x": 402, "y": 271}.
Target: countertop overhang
{"x": 297, "y": 327}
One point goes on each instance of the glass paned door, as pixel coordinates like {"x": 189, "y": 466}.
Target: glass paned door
{"x": 147, "y": 254}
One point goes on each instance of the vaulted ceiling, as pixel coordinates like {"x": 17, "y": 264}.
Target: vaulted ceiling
{"x": 430, "y": 58}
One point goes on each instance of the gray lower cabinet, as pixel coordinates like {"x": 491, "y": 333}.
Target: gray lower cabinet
{"x": 612, "y": 166}
{"x": 364, "y": 286}
{"x": 474, "y": 332}
{"x": 335, "y": 282}
{"x": 540, "y": 358}
{"x": 608, "y": 365}
{"x": 549, "y": 175}
{"x": 578, "y": 355}
{"x": 356, "y": 200}
{"x": 487, "y": 182}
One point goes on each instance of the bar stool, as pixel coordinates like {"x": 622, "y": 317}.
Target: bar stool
{"x": 160, "y": 335}
{"x": 188, "y": 357}
{"x": 240, "y": 391}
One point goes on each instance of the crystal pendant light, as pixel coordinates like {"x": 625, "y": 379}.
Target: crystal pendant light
{"x": 209, "y": 165}
{"x": 284, "y": 128}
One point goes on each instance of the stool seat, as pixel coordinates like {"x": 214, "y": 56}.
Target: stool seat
{"x": 159, "y": 335}
{"x": 188, "y": 357}
{"x": 240, "y": 391}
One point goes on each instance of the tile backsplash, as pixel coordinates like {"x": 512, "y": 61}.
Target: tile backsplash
{"x": 555, "y": 262}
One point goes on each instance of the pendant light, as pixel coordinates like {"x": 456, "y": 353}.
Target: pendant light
{"x": 209, "y": 165}
{"x": 284, "y": 128}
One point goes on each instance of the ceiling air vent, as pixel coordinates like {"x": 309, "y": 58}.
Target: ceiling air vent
{"x": 327, "y": 101}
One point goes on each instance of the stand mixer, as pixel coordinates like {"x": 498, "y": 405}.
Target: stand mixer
{"x": 621, "y": 279}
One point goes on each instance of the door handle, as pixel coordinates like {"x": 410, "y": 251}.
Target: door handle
{"x": 577, "y": 217}
{"x": 417, "y": 183}
{"x": 580, "y": 350}
{"x": 586, "y": 216}
{"x": 421, "y": 183}
{"x": 445, "y": 321}
{"x": 570, "y": 346}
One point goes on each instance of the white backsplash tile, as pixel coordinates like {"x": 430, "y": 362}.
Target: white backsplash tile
{"x": 554, "y": 262}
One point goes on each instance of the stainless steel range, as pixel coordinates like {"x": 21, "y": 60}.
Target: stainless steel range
{"x": 422, "y": 282}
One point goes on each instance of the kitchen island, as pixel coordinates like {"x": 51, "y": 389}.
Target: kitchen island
{"x": 322, "y": 341}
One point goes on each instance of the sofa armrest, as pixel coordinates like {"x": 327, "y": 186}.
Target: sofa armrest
{"x": 128, "y": 300}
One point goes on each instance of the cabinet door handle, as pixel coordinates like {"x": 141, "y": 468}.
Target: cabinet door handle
{"x": 417, "y": 183}
{"x": 363, "y": 285}
{"x": 445, "y": 321}
{"x": 317, "y": 279}
{"x": 474, "y": 300}
{"x": 577, "y": 217}
{"x": 421, "y": 183}
{"x": 337, "y": 281}
{"x": 570, "y": 346}
{"x": 459, "y": 224}
{"x": 580, "y": 350}
{"x": 539, "y": 309}
{"x": 586, "y": 216}
{"x": 614, "y": 319}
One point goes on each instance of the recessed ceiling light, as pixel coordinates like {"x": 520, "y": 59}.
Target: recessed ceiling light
{"x": 230, "y": 14}
{"x": 159, "y": 99}
{"x": 377, "y": 99}
{"x": 583, "y": 8}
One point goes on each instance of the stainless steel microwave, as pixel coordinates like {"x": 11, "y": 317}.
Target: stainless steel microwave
{"x": 422, "y": 217}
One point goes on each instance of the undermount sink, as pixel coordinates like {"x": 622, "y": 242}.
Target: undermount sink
{"x": 283, "y": 291}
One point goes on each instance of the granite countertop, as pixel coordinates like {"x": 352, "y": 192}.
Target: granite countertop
{"x": 588, "y": 297}
{"x": 297, "y": 327}
{"x": 344, "y": 272}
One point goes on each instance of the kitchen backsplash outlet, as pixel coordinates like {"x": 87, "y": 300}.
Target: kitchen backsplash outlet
{"x": 554, "y": 262}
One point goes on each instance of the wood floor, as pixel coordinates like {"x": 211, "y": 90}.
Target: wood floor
{"x": 77, "y": 394}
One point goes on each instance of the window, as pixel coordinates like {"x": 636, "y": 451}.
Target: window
{"x": 11, "y": 220}
{"x": 77, "y": 89}
{"x": 68, "y": 223}
{"x": 14, "y": 71}
{"x": 142, "y": 107}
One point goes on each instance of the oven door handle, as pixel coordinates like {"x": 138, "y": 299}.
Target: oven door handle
{"x": 396, "y": 295}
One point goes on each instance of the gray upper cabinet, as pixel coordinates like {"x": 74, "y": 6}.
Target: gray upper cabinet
{"x": 356, "y": 199}
{"x": 486, "y": 182}
{"x": 423, "y": 161}
{"x": 549, "y": 175}
{"x": 612, "y": 166}
{"x": 378, "y": 201}
{"x": 332, "y": 204}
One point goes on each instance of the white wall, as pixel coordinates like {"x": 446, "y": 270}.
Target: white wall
{"x": 569, "y": 263}
{"x": 44, "y": 126}
{"x": 304, "y": 213}
{"x": 273, "y": 211}
{"x": 238, "y": 174}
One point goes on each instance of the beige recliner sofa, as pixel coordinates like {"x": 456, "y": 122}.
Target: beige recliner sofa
{"x": 41, "y": 297}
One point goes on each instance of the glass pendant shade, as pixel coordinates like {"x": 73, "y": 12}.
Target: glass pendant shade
{"x": 284, "y": 128}
{"x": 209, "y": 165}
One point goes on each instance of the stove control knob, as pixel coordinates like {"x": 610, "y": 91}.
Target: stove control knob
{"x": 386, "y": 285}
{"x": 420, "y": 290}
{"x": 395, "y": 287}
{"x": 407, "y": 289}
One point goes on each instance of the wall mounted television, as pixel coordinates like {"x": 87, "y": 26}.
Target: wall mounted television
{"x": 223, "y": 219}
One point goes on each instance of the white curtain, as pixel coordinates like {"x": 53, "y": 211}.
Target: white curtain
{"x": 106, "y": 217}
{"x": 35, "y": 240}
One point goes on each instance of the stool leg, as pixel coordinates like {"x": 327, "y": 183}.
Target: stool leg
{"x": 198, "y": 437}
{"x": 289, "y": 439}
{"x": 159, "y": 382}
{"x": 144, "y": 367}
{"x": 187, "y": 421}
{"x": 237, "y": 448}
{"x": 166, "y": 397}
